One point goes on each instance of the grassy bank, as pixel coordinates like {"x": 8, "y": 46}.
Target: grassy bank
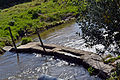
{"x": 23, "y": 18}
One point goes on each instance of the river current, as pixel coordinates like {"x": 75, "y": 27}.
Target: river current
{"x": 33, "y": 66}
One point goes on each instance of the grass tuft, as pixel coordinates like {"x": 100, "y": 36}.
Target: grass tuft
{"x": 26, "y": 40}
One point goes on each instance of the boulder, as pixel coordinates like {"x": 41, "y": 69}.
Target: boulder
{"x": 46, "y": 77}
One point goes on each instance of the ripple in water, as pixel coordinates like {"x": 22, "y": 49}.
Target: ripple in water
{"x": 51, "y": 68}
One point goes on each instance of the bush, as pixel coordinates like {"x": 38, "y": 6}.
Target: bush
{"x": 26, "y": 40}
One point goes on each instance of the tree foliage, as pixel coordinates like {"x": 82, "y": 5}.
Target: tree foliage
{"x": 100, "y": 23}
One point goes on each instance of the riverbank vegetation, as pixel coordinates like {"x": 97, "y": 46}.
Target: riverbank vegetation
{"x": 24, "y": 17}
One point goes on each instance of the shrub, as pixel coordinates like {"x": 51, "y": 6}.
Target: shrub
{"x": 26, "y": 40}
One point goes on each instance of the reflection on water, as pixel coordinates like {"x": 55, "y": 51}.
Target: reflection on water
{"x": 32, "y": 66}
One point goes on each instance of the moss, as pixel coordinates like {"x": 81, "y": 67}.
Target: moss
{"x": 26, "y": 40}
{"x": 108, "y": 56}
{"x": 111, "y": 60}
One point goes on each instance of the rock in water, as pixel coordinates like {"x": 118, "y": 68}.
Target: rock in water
{"x": 46, "y": 77}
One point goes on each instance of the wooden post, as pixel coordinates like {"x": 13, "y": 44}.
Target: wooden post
{"x": 40, "y": 40}
{"x": 13, "y": 43}
{"x": 18, "y": 58}
{"x": 12, "y": 38}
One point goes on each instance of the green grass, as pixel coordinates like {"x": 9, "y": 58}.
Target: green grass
{"x": 33, "y": 14}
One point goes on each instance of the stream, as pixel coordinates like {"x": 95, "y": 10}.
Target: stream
{"x": 33, "y": 66}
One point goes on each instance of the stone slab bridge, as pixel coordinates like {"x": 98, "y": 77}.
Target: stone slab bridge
{"x": 80, "y": 57}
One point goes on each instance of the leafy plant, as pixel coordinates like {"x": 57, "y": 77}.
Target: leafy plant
{"x": 90, "y": 70}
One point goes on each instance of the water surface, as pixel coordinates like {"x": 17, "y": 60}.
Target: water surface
{"x": 32, "y": 66}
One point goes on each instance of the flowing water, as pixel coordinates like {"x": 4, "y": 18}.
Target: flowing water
{"x": 32, "y": 66}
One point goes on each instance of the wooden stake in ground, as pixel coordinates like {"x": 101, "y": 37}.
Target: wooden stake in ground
{"x": 12, "y": 38}
{"x": 13, "y": 42}
{"x": 40, "y": 40}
